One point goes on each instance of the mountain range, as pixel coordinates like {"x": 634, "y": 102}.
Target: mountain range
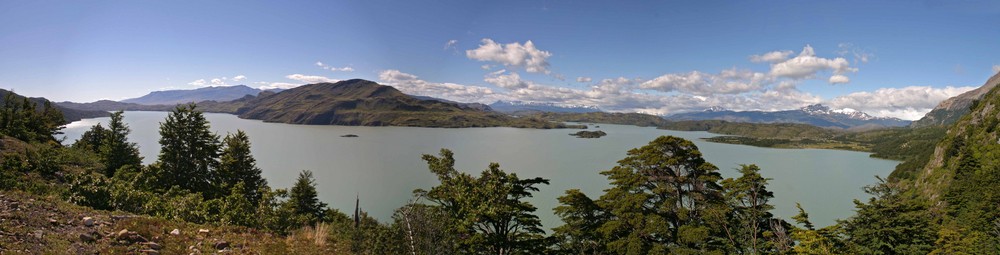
{"x": 173, "y": 97}
{"x": 816, "y": 115}
{"x": 524, "y": 107}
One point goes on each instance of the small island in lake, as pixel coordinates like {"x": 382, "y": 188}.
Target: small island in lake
{"x": 349, "y": 135}
{"x": 589, "y": 134}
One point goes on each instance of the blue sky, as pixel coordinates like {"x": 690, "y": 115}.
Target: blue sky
{"x": 888, "y": 58}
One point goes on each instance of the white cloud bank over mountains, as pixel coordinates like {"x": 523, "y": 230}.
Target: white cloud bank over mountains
{"x": 735, "y": 88}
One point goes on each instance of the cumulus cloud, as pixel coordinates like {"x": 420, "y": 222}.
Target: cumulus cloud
{"x": 996, "y": 68}
{"x": 839, "y": 79}
{"x": 583, "y": 79}
{"x": 333, "y": 68}
{"x": 221, "y": 81}
{"x": 310, "y": 78}
{"x": 413, "y": 85}
{"x": 774, "y": 56}
{"x": 808, "y": 65}
{"x": 515, "y": 54}
{"x": 450, "y": 44}
{"x": 908, "y": 103}
{"x": 731, "y": 81}
{"x": 278, "y": 85}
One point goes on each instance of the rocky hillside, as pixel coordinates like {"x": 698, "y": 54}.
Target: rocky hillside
{"x": 949, "y": 111}
{"x": 961, "y": 177}
{"x": 365, "y": 103}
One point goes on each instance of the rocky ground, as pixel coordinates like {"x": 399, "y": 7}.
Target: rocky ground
{"x": 38, "y": 225}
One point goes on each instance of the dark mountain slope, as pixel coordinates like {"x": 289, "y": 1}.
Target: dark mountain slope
{"x": 365, "y": 103}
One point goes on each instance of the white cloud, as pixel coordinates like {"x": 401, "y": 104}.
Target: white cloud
{"x": 808, "y": 65}
{"x": 513, "y": 54}
{"x": 413, "y": 85}
{"x": 333, "y": 68}
{"x": 279, "y": 85}
{"x": 839, "y": 79}
{"x": 773, "y": 57}
{"x": 486, "y": 67}
{"x": 450, "y": 44}
{"x": 310, "y": 78}
{"x": 730, "y": 81}
{"x": 239, "y": 78}
{"x": 198, "y": 82}
{"x": 507, "y": 81}
{"x": 996, "y": 68}
{"x": 583, "y": 79}
{"x": 908, "y": 103}
{"x": 218, "y": 82}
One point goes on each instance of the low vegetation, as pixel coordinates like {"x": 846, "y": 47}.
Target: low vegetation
{"x": 204, "y": 193}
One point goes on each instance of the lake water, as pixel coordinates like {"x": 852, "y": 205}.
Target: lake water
{"x": 383, "y": 164}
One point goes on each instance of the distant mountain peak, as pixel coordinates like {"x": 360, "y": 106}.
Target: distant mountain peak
{"x": 817, "y": 115}
{"x": 180, "y": 96}
{"x": 716, "y": 109}
{"x": 516, "y": 106}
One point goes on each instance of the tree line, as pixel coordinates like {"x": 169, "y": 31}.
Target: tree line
{"x": 664, "y": 198}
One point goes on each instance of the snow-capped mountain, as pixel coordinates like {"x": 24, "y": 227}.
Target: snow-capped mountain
{"x": 518, "y": 106}
{"x": 817, "y": 115}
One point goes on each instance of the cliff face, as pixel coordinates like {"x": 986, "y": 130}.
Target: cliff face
{"x": 949, "y": 111}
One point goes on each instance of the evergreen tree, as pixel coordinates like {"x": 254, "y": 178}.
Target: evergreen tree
{"x": 489, "y": 211}
{"x": 891, "y": 222}
{"x": 19, "y": 118}
{"x": 115, "y": 150}
{"x": 236, "y": 164}
{"x": 659, "y": 194}
{"x": 583, "y": 218}
{"x": 752, "y": 225}
{"x": 189, "y": 151}
{"x": 92, "y": 139}
{"x": 303, "y": 199}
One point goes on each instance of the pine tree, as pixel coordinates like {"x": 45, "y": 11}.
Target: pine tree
{"x": 189, "y": 151}
{"x": 92, "y": 139}
{"x": 304, "y": 200}
{"x": 115, "y": 149}
{"x": 236, "y": 164}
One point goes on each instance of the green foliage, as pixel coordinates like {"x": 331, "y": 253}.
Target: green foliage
{"x": 423, "y": 229}
{"x": 752, "y": 228}
{"x": 583, "y": 218}
{"x": 237, "y": 165}
{"x": 656, "y": 190}
{"x": 488, "y": 212}
{"x": 20, "y": 118}
{"x": 92, "y": 139}
{"x": 115, "y": 149}
{"x": 890, "y": 223}
{"x": 189, "y": 151}
{"x": 304, "y": 201}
